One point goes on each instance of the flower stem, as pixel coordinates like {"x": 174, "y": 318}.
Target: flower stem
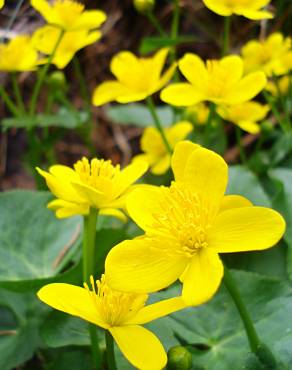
{"x": 252, "y": 336}
{"x": 17, "y": 93}
{"x": 276, "y": 113}
{"x": 174, "y": 34}
{"x": 9, "y": 103}
{"x": 110, "y": 353}
{"x": 157, "y": 122}
{"x": 226, "y": 35}
{"x": 208, "y": 126}
{"x": 42, "y": 75}
{"x": 155, "y": 22}
{"x": 239, "y": 144}
{"x": 89, "y": 234}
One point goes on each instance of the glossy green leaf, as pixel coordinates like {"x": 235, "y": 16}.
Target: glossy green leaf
{"x": 33, "y": 241}
{"x": 150, "y": 44}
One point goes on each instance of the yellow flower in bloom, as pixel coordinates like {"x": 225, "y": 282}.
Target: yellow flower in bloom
{"x": 137, "y": 78}
{"x": 245, "y": 115}
{"x": 199, "y": 113}
{"x": 1, "y": 3}
{"x": 283, "y": 83}
{"x": 154, "y": 148}
{"x": 45, "y": 39}
{"x": 120, "y": 313}
{"x": 69, "y": 14}
{"x": 270, "y": 56}
{"x": 18, "y": 55}
{"x": 218, "y": 81}
{"x": 97, "y": 184}
{"x": 251, "y": 9}
{"x": 186, "y": 226}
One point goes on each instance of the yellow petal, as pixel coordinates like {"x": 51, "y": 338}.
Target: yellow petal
{"x": 249, "y": 126}
{"x": 181, "y": 94}
{"x": 114, "y": 213}
{"x": 1, "y": 3}
{"x": 42, "y": 6}
{"x": 141, "y": 347}
{"x": 132, "y": 96}
{"x": 158, "y": 62}
{"x": 202, "y": 277}
{"x": 156, "y": 310}
{"x": 123, "y": 65}
{"x": 246, "y": 229}
{"x": 217, "y": 7}
{"x": 247, "y": 88}
{"x": 194, "y": 70}
{"x": 206, "y": 174}
{"x": 73, "y": 300}
{"x": 178, "y": 132}
{"x": 90, "y": 19}
{"x": 161, "y": 166}
{"x": 234, "y": 65}
{"x": 181, "y": 154}
{"x": 165, "y": 77}
{"x": 94, "y": 197}
{"x": 140, "y": 266}
{"x": 108, "y": 91}
{"x": 234, "y": 201}
{"x": 66, "y": 209}
{"x": 257, "y": 15}
{"x": 128, "y": 176}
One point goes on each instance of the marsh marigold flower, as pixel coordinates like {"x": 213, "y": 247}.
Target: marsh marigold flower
{"x": 18, "y": 54}
{"x": 45, "y": 39}
{"x": 69, "y": 15}
{"x": 122, "y": 314}
{"x": 217, "y": 81}
{"x": 186, "y": 226}
{"x": 155, "y": 152}
{"x": 272, "y": 55}
{"x": 281, "y": 87}
{"x": 97, "y": 184}
{"x": 252, "y": 9}
{"x": 137, "y": 78}
{"x": 198, "y": 113}
{"x": 245, "y": 115}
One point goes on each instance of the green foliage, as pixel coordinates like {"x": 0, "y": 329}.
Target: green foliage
{"x": 150, "y": 44}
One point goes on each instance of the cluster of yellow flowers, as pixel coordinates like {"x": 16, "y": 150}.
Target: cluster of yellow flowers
{"x": 70, "y": 27}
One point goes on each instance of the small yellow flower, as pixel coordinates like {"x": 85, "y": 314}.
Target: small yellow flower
{"x": 154, "y": 148}
{"x": 284, "y": 84}
{"x": 1, "y": 4}
{"x": 251, "y": 9}
{"x": 271, "y": 56}
{"x": 97, "y": 184}
{"x": 18, "y": 55}
{"x": 245, "y": 115}
{"x": 120, "y": 313}
{"x": 137, "y": 78}
{"x": 218, "y": 81}
{"x": 69, "y": 15}
{"x": 186, "y": 226}
{"x": 45, "y": 39}
{"x": 199, "y": 113}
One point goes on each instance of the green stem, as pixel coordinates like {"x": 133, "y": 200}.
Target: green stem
{"x": 276, "y": 113}
{"x": 42, "y": 75}
{"x": 252, "y": 336}
{"x": 226, "y": 36}
{"x": 282, "y": 100}
{"x": 208, "y": 126}
{"x": 17, "y": 93}
{"x": 239, "y": 144}
{"x": 110, "y": 353}
{"x": 82, "y": 83}
{"x": 157, "y": 122}
{"x": 89, "y": 234}
{"x": 174, "y": 34}
{"x": 156, "y": 24}
{"x": 9, "y": 103}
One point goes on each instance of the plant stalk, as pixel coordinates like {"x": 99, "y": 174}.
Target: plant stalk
{"x": 110, "y": 353}
{"x": 9, "y": 103}
{"x": 17, "y": 93}
{"x": 226, "y": 36}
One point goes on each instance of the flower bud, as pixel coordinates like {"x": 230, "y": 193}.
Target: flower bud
{"x": 57, "y": 80}
{"x": 179, "y": 358}
{"x": 144, "y": 6}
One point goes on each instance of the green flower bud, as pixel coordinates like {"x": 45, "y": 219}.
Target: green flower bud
{"x": 267, "y": 126}
{"x": 179, "y": 358}
{"x": 144, "y": 6}
{"x": 57, "y": 80}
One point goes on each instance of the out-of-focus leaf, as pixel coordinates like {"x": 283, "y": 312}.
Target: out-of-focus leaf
{"x": 63, "y": 118}
{"x": 150, "y": 44}
{"x": 137, "y": 114}
{"x": 71, "y": 359}
{"x": 33, "y": 241}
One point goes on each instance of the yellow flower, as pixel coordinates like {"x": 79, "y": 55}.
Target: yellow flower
{"x": 248, "y": 8}
{"x": 97, "y": 184}
{"x": 45, "y": 39}
{"x": 219, "y": 81}
{"x": 154, "y": 148}
{"x": 198, "y": 112}
{"x": 245, "y": 115}
{"x": 69, "y": 15}
{"x": 186, "y": 226}
{"x": 137, "y": 78}
{"x": 270, "y": 56}
{"x": 1, "y": 4}
{"x": 120, "y": 313}
{"x": 18, "y": 55}
{"x": 283, "y": 86}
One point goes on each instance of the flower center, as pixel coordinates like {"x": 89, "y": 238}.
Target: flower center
{"x": 218, "y": 79}
{"x": 97, "y": 173}
{"x": 184, "y": 221}
{"x": 115, "y": 307}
